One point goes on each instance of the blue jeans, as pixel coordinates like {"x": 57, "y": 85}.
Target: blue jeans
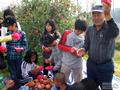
{"x": 14, "y": 67}
{"x": 101, "y": 73}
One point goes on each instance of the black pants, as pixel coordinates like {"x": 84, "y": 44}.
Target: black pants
{"x": 101, "y": 73}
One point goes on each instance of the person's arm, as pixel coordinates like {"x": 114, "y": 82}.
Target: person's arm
{"x": 58, "y": 65}
{"x": 64, "y": 48}
{"x": 24, "y": 70}
{"x": 24, "y": 43}
{"x": 4, "y": 88}
{"x": 62, "y": 45}
{"x": 112, "y": 30}
{"x": 56, "y": 42}
{"x": 8, "y": 84}
{"x": 87, "y": 41}
{"x": 5, "y": 38}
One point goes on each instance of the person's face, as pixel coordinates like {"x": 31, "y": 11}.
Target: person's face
{"x": 33, "y": 58}
{"x": 48, "y": 27}
{"x": 1, "y": 20}
{"x": 78, "y": 32}
{"x": 98, "y": 18}
{"x": 12, "y": 27}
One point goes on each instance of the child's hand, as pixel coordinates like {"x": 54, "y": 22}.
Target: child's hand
{"x": 3, "y": 49}
{"x": 81, "y": 52}
{"x": 47, "y": 61}
{"x": 9, "y": 83}
{"x": 55, "y": 42}
{"x": 74, "y": 51}
{"x": 46, "y": 49}
{"x": 49, "y": 67}
{"x": 16, "y": 36}
{"x": 18, "y": 49}
{"x": 35, "y": 71}
{"x": 36, "y": 66}
{"x": 41, "y": 68}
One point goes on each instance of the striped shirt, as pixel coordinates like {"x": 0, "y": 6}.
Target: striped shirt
{"x": 100, "y": 44}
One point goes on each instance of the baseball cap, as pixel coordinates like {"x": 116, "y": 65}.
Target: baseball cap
{"x": 97, "y": 8}
{"x": 10, "y": 21}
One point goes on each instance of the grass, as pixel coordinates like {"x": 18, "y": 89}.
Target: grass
{"x": 117, "y": 63}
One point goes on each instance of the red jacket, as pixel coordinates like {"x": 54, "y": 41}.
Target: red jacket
{"x": 62, "y": 45}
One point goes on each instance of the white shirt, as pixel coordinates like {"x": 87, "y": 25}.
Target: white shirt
{"x": 26, "y": 68}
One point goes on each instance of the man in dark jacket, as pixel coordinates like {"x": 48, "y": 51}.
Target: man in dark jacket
{"x": 100, "y": 44}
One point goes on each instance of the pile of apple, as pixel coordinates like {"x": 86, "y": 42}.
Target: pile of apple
{"x": 41, "y": 83}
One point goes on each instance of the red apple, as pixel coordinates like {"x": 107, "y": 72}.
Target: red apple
{"x": 106, "y": 1}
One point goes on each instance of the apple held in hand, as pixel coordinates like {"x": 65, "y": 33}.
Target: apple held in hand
{"x": 3, "y": 49}
{"x": 16, "y": 36}
{"x": 106, "y": 1}
{"x": 18, "y": 49}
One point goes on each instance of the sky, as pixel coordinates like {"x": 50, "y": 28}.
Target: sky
{"x": 84, "y": 3}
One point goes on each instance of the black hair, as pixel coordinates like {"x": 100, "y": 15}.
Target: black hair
{"x": 80, "y": 25}
{"x": 85, "y": 84}
{"x": 8, "y": 12}
{"x": 48, "y": 40}
{"x": 29, "y": 54}
{"x": 9, "y": 21}
{"x": 89, "y": 84}
{"x": 51, "y": 22}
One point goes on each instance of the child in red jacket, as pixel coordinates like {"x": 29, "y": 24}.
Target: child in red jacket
{"x": 70, "y": 42}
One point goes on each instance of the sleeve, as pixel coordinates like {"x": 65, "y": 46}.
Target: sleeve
{"x": 51, "y": 56}
{"x": 24, "y": 42}
{"x": 57, "y": 66}
{"x": 112, "y": 30}
{"x": 62, "y": 45}
{"x": 70, "y": 41}
{"x": 87, "y": 41}
{"x": 5, "y": 38}
{"x": 59, "y": 36}
{"x": 3, "y": 33}
{"x": 24, "y": 70}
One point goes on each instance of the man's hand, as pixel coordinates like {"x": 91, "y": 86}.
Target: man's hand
{"x": 107, "y": 9}
{"x": 81, "y": 52}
